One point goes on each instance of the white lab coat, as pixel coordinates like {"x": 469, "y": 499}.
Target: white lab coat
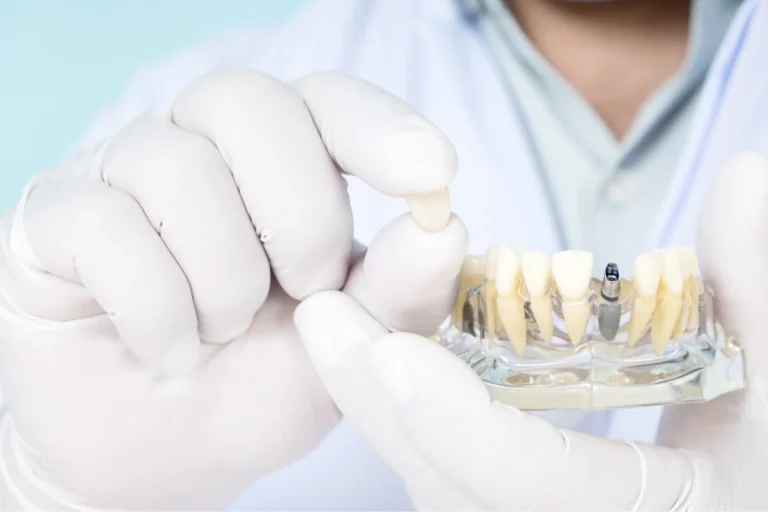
{"x": 429, "y": 53}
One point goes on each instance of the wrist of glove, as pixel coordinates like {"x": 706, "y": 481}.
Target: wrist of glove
{"x": 431, "y": 417}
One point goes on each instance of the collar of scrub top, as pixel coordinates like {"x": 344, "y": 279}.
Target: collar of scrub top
{"x": 709, "y": 21}
{"x": 710, "y": 136}
{"x": 471, "y": 10}
{"x": 691, "y": 171}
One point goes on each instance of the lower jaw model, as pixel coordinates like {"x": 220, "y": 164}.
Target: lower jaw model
{"x": 544, "y": 334}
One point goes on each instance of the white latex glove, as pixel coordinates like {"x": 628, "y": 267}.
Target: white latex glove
{"x": 148, "y": 353}
{"x": 430, "y": 416}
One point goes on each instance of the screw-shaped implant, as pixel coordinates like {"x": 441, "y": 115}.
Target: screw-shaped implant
{"x": 609, "y": 311}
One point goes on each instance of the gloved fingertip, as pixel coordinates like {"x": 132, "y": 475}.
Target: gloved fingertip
{"x": 737, "y": 202}
{"x": 409, "y": 275}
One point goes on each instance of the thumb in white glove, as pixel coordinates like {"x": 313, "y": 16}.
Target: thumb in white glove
{"x": 431, "y": 417}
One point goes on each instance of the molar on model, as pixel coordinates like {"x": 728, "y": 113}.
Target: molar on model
{"x": 510, "y": 304}
{"x": 537, "y": 274}
{"x": 572, "y": 271}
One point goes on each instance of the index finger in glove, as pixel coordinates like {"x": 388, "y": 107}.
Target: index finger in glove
{"x": 508, "y": 459}
{"x": 286, "y": 171}
{"x": 296, "y": 199}
{"x": 377, "y": 137}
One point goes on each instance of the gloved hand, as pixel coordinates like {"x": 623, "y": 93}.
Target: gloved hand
{"x": 147, "y": 348}
{"x": 432, "y": 419}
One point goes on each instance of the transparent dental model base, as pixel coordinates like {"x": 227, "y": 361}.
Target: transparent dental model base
{"x": 616, "y": 363}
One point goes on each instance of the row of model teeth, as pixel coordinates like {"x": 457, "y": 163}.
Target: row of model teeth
{"x": 664, "y": 281}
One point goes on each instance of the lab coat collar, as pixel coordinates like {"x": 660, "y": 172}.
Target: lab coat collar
{"x": 737, "y": 83}
{"x": 466, "y": 10}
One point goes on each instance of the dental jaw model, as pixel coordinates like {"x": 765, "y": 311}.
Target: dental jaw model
{"x": 544, "y": 334}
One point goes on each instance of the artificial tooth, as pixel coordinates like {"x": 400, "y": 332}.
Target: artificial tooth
{"x": 572, "y": 271}
{"x": 537, "y": 272}
{"x": 690, "y": 267}
{"x": 669, "y": 300}
{"x": 646, "y": 274}
{"x": 431, "y": 211}
{"x": 510, "y": 305}
{"x": 491, "y": 265}
{"x": 472, "y": 274}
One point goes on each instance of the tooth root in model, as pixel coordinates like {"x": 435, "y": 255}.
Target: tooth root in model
{"x": 646, "y": 274}
{"x": 690, "y": 267}
{"x": 510, "y": 305}
{"x": 689, "y": 270}
{"x": 669, "y": 301}
{"x": 537, "y": 274}
{"x": 491, "y": 264}
{"x": 572, "y": 271}
{"x": 472, "y": 274}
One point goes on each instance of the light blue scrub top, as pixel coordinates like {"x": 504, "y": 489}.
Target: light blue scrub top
{"x": 607, "y": 192}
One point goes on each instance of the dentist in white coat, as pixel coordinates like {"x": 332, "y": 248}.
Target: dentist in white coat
{"x": 152, "y": 353}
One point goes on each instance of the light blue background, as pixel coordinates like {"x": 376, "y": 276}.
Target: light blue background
{"x": 62, "y": 61}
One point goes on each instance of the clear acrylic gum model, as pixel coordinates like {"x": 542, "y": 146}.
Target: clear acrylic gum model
{"x": 543, "y": 334}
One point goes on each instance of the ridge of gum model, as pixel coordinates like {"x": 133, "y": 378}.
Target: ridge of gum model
{"x": 510, "y": 305}
{"x": 537, "y": 274}
{"x": 572, "y": 272}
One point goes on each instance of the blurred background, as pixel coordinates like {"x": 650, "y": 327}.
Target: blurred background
{"x": 61, "y": 62}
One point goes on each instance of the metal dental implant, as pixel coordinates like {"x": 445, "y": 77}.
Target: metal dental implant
{"x": 609, "y": 309}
